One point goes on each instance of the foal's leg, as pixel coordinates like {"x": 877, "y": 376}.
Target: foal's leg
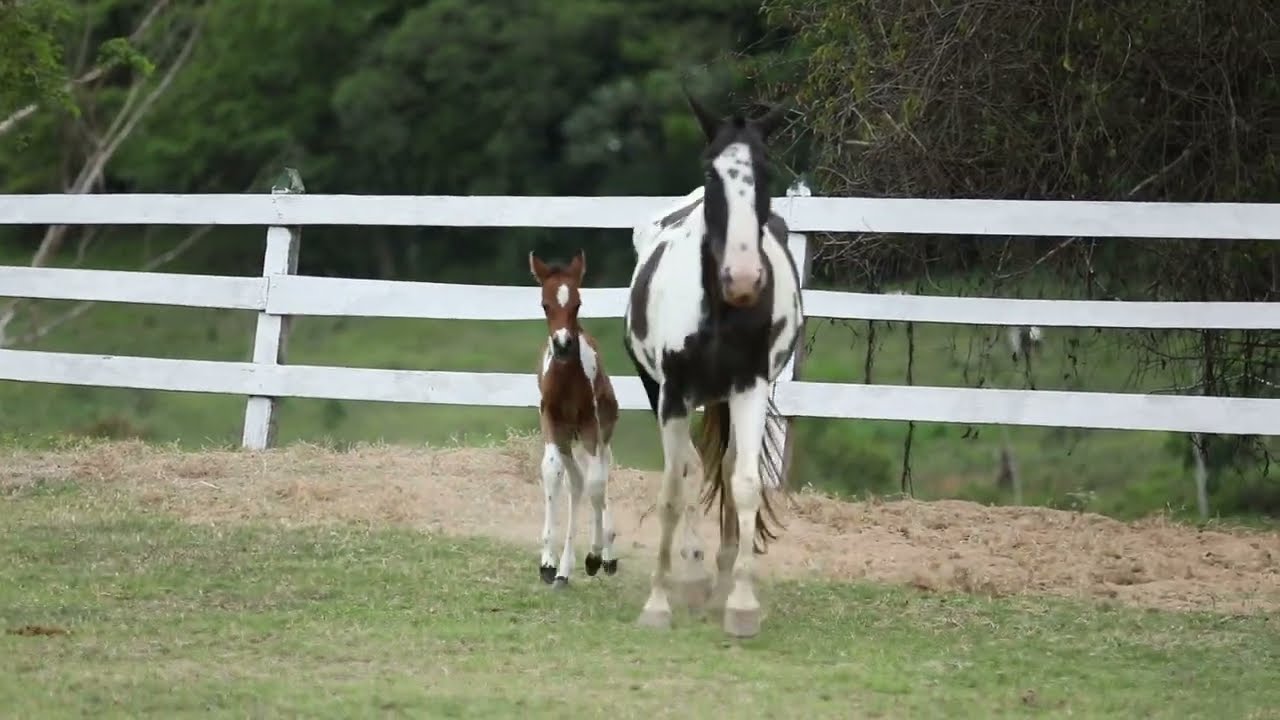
{"x": 575, "y": 496}
{"x": 675, "y": 436}
{"x": 602, "y": 534}
{"x": 747, "y": 411}
{"x": 552, "y": 474}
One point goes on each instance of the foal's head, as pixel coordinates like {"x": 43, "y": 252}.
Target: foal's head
{"x": 560, "y": 301}
{"x": 736, "y": 198}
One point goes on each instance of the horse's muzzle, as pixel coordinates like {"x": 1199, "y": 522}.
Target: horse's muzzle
{"x": 739, "y": 290}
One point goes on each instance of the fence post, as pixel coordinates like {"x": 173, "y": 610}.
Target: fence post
{"x": 261, "y": 414}
{"x": 798, "y": 243}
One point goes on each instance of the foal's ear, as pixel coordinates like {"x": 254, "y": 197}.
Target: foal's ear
{"x": 538, "y": 268}
{"x": 578, "y": 267}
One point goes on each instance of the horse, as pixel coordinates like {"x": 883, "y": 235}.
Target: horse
{"x": 713, "y": 315}
{"x": 577, "y": 414}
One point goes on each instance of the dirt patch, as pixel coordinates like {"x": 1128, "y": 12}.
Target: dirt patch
{"x": 934, "y": 546}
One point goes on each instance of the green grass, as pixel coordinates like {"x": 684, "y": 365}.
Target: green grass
{"x": 1116, "y": 472}
{"x": 166, "y": 619}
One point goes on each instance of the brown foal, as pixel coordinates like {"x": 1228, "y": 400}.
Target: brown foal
{"x": 578, "y": 412}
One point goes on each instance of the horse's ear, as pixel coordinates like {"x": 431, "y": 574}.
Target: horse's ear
{"x": 770, "y": 121}
{"x": 538, "y": 268}
{"x": 578, "y": 266}
{"x": 708, "y": 121}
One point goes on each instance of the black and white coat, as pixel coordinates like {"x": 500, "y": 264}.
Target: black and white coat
{"x": 712, "y": 319}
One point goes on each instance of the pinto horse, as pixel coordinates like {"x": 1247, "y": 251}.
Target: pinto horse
{"x": 578, "y": 412}
{"x": 713, "y": 316}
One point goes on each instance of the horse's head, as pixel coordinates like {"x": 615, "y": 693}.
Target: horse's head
{"x": 560, "y": 301}
{"x": 736, "y": 198}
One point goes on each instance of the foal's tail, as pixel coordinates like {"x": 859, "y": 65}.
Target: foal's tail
{"x": 713, "y": 443}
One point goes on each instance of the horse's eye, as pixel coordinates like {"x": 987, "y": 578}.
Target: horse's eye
{"x": 544, "y": 307}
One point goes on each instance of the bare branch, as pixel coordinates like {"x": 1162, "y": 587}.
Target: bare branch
{"x": 93, "y": 74}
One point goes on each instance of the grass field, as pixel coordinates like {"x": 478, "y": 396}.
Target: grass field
{"x": 1122, "y": 473}
{"x": 127, "y": 592}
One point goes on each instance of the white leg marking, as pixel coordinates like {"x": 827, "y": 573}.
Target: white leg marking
{"x": 552, "y": 472}
{"x": 728, "y": 550}
{"x": 610, "y": 535}
{"x": 675, "y": 435}
{"x": 575, "y": 496}
{"x": 597, "y": 492}
{"x": 747, "y": 411}
{"x": 691, "y": 468}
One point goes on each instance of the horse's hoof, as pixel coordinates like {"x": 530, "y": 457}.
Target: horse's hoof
{"x": 593, "y": 563}
{"x": 560, "y": 583}
{"x": 548, "y": 573}
{"x": 696, "y": 592}
{"x": 655, "y": 619}
{"x": 742, "y": 623}
{"x": 611, "y": 567}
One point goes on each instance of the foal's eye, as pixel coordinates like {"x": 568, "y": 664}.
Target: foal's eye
{"x": 544, "y": 307}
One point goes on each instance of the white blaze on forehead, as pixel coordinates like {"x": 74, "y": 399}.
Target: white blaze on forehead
{"x": 562, "y": 294}
{"x": 742, "y": 229}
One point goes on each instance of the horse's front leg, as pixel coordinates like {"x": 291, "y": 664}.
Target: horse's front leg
{"x": 728, "y": 550}
{"x": 552, "y": 473}
{"x": 673, "y": 421}
{"x": 576, "y": 478}
{"x": 747, "y": 411}
{"x": 695, "y": 581}
{"x": 602, "y": 533}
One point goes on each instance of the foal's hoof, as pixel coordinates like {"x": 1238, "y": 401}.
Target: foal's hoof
{"x": 593, "y": 563}
{"x": 548, "y": 573}
{"x": 655, "y": 619}
{"x": 560, "y": 583}
{"x": 742, "y": 623}
{"x": 611, "y": 567}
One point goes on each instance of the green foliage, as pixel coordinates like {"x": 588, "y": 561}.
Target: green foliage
{"x": 31, "y": 56}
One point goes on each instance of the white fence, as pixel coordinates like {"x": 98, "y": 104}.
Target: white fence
{"x": 279, "y": 293}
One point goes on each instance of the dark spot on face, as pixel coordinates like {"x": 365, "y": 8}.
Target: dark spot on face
{"x": 748, "y": 179}
{"x": 742, "y": 246}
{"x": 742, "y": 192}
{"x": 733, "y": 173}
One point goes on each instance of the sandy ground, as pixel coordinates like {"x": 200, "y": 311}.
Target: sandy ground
{"x": 934, "y": 546}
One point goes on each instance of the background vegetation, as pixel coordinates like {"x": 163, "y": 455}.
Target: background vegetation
{"x": 1137, "y": 100}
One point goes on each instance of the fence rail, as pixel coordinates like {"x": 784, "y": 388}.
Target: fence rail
{"x": 1256, "y": 221}
{"x": 347, "y": 297}
{"x": 279, "y": 293}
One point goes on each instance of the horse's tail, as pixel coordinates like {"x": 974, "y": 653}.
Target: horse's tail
{"x": 713, "y": 443}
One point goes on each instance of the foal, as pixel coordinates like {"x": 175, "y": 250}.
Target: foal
{"x": 578, "y": 412}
